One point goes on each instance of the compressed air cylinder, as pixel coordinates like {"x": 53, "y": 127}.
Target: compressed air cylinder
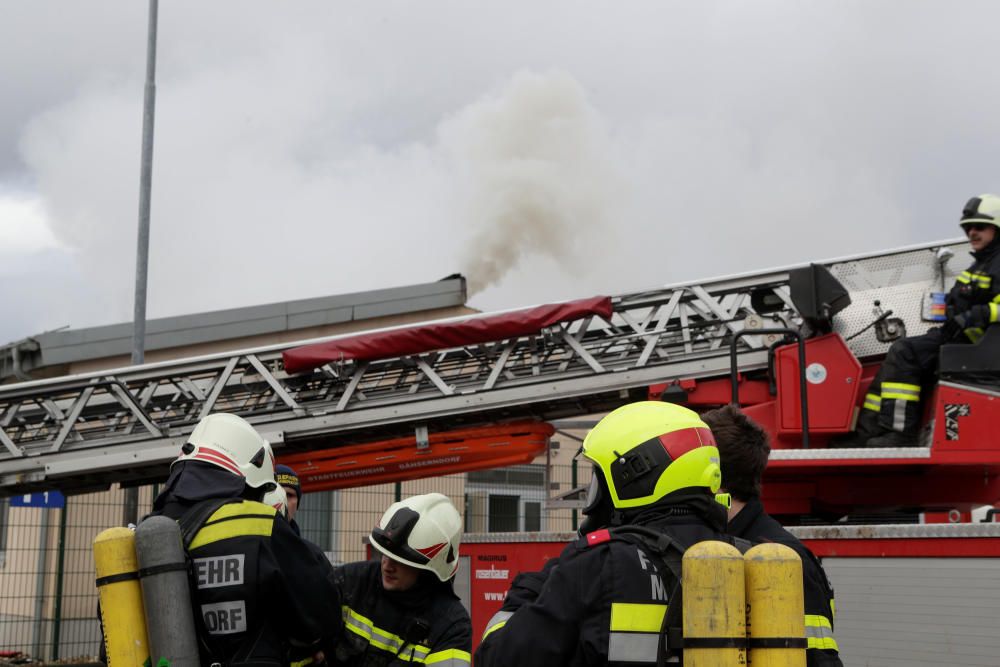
{"x": 121, "y": 598}
{"x": 714, "y": 605}
{"x": 775, "y": 617}
{"x": 166, "y": 593}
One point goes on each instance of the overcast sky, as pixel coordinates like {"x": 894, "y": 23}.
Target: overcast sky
{"x": 548, "y": 150}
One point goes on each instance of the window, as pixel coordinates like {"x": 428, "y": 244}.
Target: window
{"x": 317, "y": 518}
{"x": 505, "y": 499}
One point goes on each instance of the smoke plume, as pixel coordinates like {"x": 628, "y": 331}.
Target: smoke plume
{"x": 536, "y": 176}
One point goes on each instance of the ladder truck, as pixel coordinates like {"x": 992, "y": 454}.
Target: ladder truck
{"x": 795, "y": 346}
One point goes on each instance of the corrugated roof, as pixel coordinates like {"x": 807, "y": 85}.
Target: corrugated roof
{"x": 73, "y": 345}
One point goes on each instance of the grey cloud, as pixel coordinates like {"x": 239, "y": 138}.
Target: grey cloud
{"x": 303, "y": 150}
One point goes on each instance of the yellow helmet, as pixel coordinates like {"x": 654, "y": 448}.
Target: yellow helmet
{"x": 649, "y": 449}
{"x": 981, "y": 210}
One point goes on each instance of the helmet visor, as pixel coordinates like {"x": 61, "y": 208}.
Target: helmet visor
{"x": 394, "y": 538}
{"x": 593, "y": 493}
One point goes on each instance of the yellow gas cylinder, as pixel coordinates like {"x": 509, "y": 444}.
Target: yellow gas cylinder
{"x": 121, "y": 598}
{"x": 714, "y": 606}
{"x": 775, "y": 610}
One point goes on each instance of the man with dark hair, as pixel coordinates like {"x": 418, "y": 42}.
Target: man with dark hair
{"x": 743, "y": 452}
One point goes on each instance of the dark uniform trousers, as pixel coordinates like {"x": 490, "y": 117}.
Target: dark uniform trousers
{"x": 258, "y": 588}
{"x": 972, "y": 305}
{"x": 426, "y": 625}
{"x": 602, "y": 603}
{"x": 754, "y": 524}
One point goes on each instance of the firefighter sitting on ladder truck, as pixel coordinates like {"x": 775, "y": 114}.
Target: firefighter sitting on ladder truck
{"x": 656, "y": 471}
{"x": 892, "y": 407}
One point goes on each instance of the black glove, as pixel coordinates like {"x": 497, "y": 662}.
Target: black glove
{"x": 972, "y": 322}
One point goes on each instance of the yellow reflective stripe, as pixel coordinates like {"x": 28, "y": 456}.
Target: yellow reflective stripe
{"x": 301, "y": 663}
{"x": 873, "y": 402}
{"x": 996, "y": 299}
{"x": 982, "y": 279}
{"x": 901, "y": 391}
{"x": 233, "y": 528}
{"x": 236, "y": 520}
{"x": 629, "y": 617}
{"x": 453, "y": 656}
{"x": 230, "y": 510}
{"x": 964, "y": 277}
{"x": 383, "y": 639}
{"x": 498, "y": 620}
{"x": 819, "y": 633}
{"x": 994, "y": 312}
{"x": 493, "y": 628}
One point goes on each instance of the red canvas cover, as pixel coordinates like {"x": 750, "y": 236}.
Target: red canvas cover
{"x": 427, "y": 337}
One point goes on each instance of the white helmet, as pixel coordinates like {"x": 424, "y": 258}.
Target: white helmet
{"x": 981, "y": 210}
{"x": 423, "y": 532}
{"x": 231, "y": 443}
{"x": 278, "y": 499}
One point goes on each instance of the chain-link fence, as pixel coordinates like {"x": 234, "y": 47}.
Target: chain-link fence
{"x": 48, "y": 605}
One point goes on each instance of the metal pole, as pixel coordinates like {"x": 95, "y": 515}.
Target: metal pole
{"x": 43, "y": 535}
{"x": 142, "y": 245}
{"x": 56, "y": 630}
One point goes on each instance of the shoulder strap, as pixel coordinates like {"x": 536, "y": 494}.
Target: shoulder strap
{"x": 667, "y": 553}
{"x": 197, "y": 515}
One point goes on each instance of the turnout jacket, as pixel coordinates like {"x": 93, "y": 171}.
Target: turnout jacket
{"x": 257, "y": 587}
{"x": 754, "y": 524}
{"x": 602, "y": 602}
{"x": 426, "y": 625}
{"x": 973, "y": 302}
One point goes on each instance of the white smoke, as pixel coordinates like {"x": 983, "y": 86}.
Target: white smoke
{"x": 536, "y": 176}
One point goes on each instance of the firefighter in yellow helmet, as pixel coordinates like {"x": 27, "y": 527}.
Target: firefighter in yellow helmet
{"x": 891, "y": 412}
{"x": 605, "y": 600}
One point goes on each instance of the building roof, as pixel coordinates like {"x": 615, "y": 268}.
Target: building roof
{"x": 73, "y": 345}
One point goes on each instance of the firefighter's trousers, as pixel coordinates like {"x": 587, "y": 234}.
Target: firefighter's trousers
{"x": 895, "y": 392}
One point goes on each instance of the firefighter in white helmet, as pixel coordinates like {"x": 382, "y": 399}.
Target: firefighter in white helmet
{"x": 258, "y": 588}
{"x": 402, "y": 608}
{"x": 892, "y": 408}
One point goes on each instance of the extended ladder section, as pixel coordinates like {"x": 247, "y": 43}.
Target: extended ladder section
{"x": 87, "y": 431}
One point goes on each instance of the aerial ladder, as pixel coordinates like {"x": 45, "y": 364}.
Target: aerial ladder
{"x": 796, "y": 346}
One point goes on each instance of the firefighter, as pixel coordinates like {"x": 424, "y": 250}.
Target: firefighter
{"x": 655, "y": 473}
{"x": 402, "y": 609}
{"x": 258, "y": 588}
{"x": 891, "y": 412}
{"x": 287, "y": 478}
{"x": 743, "y": 451}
